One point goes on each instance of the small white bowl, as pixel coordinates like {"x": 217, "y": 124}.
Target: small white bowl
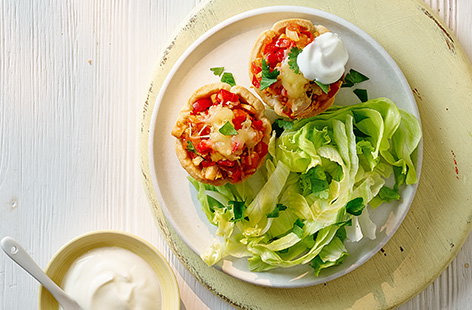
{"x": 65, "y": 257}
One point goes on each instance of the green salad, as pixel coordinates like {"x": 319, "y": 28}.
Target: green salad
{"x": 312, "y": 191}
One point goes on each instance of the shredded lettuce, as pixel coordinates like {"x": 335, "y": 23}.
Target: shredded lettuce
{"x": 314, "y": 190}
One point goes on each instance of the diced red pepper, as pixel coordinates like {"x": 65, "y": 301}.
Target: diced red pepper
{"x": 201, "y": 105}
{"x": 258, "y": 124}
{"x": 224, "y": 96}
{"x": 255, "y": 68}
{"x": 256, "y": 82}
{"x": 239, "y": 117}
{"x": 203, "y": 147}
{"x": 226, "y": 163}
{"x": 208, "y": 163}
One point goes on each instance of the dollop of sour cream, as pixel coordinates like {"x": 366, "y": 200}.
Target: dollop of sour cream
{"x": 323, "y": 60}
{"x": 113, "y": 278}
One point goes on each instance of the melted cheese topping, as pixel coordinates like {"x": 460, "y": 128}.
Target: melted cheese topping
{"x": 246, "y": 135}
{"x": 221, "y": 143}
{"x": 229, "y": 147}
{"x": 218, "y": 115}
{"x": 292, "y": 82}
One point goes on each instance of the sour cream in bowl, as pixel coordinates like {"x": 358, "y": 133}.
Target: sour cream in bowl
{"x": 112, "y": 270}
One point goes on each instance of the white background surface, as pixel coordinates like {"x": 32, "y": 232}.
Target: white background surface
{"x": 73, "y": 79}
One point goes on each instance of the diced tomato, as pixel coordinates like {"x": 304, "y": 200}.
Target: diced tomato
{"x": 226, "y": 163}
{"x": 208, "y": 163}
{"x": 270, "y": 48}
{"x": 224, "y": 96}
{"x": 262, "y": 149}
{"x": 272, "y": 59}
{"x": 201, "y": 105}
{"x": 239, "y": 118}
{"x": 251, "y": 161}
{"x": 258, "y": 124}
{"x": 203, "y": 147}
{"x": 256, "y": 82}
{"x": 236, "y": 175}
{"x": 283, "y": 43}
{"x": 280, "y": 55}
{"x": 206, "y": 131}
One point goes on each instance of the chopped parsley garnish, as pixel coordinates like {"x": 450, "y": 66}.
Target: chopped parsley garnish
{"x": 190, "y": 147}
{"x": 238, "y": 210}
{"x": 361, "y": 94}
{"x": 355, "y": 206}
{"x": 324, "y": 87}
{"x": 228, "y": 129}
{"x": 314, "y": 182}
{"x": 228, "y": 78}
{"x": 218, "y": 71}
{"x": 268, "y": 77}
{"x": 279, "y": 125}
{"x": 297, "y": 228}
{"x": 353, "y": 77}
{"x": 388, "y": 194}
{"x": 292, "y": 59}
{"x": 275, "y": 213}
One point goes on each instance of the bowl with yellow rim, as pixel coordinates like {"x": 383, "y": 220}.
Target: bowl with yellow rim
{"x": 68, "y": 254}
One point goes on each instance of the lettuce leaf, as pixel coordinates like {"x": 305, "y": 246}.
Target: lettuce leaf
{"x": 320, "y": 179}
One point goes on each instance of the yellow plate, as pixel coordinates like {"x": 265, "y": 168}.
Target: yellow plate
{"x": 440, "y": 217}
{"x": 64, "y": 258}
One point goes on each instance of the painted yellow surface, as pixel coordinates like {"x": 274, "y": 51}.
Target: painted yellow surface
{"x": 440, "y": 217}
{"x": 66, "y": 256}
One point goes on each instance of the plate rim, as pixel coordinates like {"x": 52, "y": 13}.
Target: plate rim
{"x": 249, "y": 14}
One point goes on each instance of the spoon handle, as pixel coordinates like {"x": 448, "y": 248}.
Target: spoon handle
{"x": 14, "y": 250}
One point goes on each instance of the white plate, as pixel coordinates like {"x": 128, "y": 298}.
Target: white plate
{"x": 228, "y": 44}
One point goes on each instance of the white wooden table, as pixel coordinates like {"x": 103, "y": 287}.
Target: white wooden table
{"x": 73, "y": 79}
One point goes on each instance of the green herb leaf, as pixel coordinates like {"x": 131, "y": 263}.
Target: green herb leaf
{"x": 388, "y": 194}
{"x": 353, "y": 77}
{"x": 361, "y": 94}
{"x": 324, "y": 87}
{"x": 275, "y": 213}
{"x": 190, "y": 147}
{"x": 299, "y": 223}
{"x": 314, "y": 182}
{"x": 292, "y": 59}
{"x": 218, "y": 71}
{"x": 341, "y": 233}
{"x": 279, "y": 125}
{"x": 238, "y": 210}
{"x": 268, "y": 77}
{"x": 228, "y": 129}
{"x": 399, "y": 177}
{"x": 355, "y": 206}
{"x": 297, "y": 231}
{"x": 228, "y": 78}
